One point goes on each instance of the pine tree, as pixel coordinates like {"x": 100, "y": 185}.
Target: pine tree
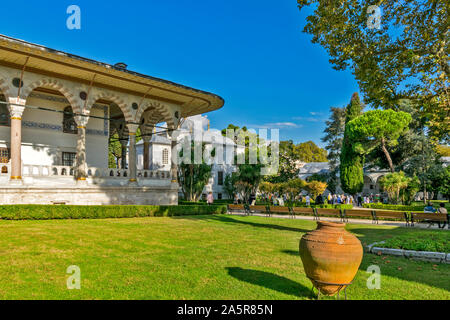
{"x": 351, "y": 166}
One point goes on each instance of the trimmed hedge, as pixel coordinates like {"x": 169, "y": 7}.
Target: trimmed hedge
{"x": 203, "y": 203}
{"x": 47, "y": 212}
{"x": 399, "y": 207}
{"x": 303, "y": 205}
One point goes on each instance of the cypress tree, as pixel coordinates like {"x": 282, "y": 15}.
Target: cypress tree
{"x": 351, "y": 166}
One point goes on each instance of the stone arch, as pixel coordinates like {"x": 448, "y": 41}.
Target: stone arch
{"x": 57, "y": 85}
{"x": 126, "y": 110}
{"x": 370, "y": 178}
{"x": 5, "y": 88}
{"x": 162, "y": 109}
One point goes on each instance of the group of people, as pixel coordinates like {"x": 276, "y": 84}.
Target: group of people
{"x": 430, "y": 209}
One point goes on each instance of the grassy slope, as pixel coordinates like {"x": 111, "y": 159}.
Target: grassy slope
{"x": 206, "y": 257}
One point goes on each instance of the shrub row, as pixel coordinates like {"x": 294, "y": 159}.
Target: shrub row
{"x": 203, "y": 203}
{"x": 399, "y": 207}
{"x": 46, "y": 212}
{"x": 303, "y": 205}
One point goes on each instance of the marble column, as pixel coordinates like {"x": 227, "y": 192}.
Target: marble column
{"x": 146, "y": 152}
{"x": 81, "y": 166}
{"x": 16, "y": 112}
{"x": 174, "y": 163}
{"x": 132, "y": 165}
{"x": 123, "y": 159}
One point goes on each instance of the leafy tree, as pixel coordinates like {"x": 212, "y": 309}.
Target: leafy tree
{"x": 434, "y": 179}
{"x": 288, "y": 166}
{"x": 291, "y": 155}
{"x": 393, "y": 183}
{"x": 377, "y": 128}
{"x": 316, "y": 187}
{"x": 445, "y": 186}
{"x": 194, "y": 177}
{"x": 310, "y": 152}
{"x": 443, "y": 150}
{"x": 411, "y": 190}
{"x": 247, "y": 179}
{"x": 114, "y": 151}
{"x": 229, "y": 186}
{"x": 407, "y": 57}
{"x": 293, "y": 187}
{"x": 351, "y": 163}
{"x": 334, "y": 136}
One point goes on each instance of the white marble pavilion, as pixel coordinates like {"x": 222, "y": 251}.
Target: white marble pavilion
{"x": 58, "y": 113}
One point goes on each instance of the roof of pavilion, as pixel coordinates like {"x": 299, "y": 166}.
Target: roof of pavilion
{"x": 58, "y": 64}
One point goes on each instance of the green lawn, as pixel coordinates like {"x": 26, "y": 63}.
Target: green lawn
{"x": 203, "y": 257}
{"x": 421, "y": 240}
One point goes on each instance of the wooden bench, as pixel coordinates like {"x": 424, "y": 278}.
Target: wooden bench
{"x": 303, "y": 211}
{"x": 260, "y": 209}
{"x": 329, "y": 212}
{"x": 431, "y": 218}
{"x": 280, "y": 210}
{"x": 236, "y": 207}
{"x": 391, "y": 215}
{"x": 359, "y": 214}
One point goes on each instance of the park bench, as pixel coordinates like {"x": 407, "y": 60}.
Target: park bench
{"x": 260, "y": 209}
{"x": 359, "y": 214}
{"x": 303, "y": 211}
{"x": 329, "y": 212}
{"x": 397, "y": 215}
{"x": 280, "y": 210}
{"x": 431, "y": 218}
{"x": 236, "y": 208}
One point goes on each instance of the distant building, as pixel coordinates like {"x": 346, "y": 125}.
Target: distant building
{"x": 160, "y": 153}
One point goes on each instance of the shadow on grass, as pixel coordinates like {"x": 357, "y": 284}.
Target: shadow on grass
{"x": 227, "y": 219}
{"x": 291, "y": 252}
{"x": 270, "y": 281}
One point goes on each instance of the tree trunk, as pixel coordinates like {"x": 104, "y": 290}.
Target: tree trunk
{"x": 386, "y": 153}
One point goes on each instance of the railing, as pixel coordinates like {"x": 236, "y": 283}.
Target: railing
{"x": 104, "y": 173}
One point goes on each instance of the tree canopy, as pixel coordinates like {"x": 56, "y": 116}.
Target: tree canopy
{"x": 407, "y": 57}
{"x": 377, "y": 128}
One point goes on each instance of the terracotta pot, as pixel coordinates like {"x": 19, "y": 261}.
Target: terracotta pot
{"x": 331, "y": 256}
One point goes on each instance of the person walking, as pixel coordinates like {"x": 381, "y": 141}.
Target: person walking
{"x": 359, "y": 201}
{"x": 210, "y": 198}
{"x": 308, "y": 201}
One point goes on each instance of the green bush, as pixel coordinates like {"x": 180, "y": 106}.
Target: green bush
{"x": 203, "y": 203}
{"x": 46, "y": 212}
{"x": 418, "y": 208}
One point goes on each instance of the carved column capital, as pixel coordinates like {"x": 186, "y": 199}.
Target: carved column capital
{"x": 81, "y": 120}
{"x": 132, "y": 128}
{"x": 16, "y": 107}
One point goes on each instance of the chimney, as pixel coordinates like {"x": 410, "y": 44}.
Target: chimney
{"x": 121, "y": 66}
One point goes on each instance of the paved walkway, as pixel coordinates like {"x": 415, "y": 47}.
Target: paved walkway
{"x": 352, "y": 221}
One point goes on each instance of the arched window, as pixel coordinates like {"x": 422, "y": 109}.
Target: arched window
{"x": 5, "y": 119}
{"x": 69, "y": 124}
{"x": 165, "y": 156}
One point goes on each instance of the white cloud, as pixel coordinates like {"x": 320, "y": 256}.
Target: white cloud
{"x": 278, "y": 125}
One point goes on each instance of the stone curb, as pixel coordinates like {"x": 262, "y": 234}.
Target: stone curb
{"x": 437, "y": 257}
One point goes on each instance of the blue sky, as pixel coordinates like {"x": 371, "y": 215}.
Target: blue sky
{"x": 252, "y": 53}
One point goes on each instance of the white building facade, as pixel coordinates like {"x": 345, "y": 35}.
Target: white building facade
{"x": 160, "y": 153}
